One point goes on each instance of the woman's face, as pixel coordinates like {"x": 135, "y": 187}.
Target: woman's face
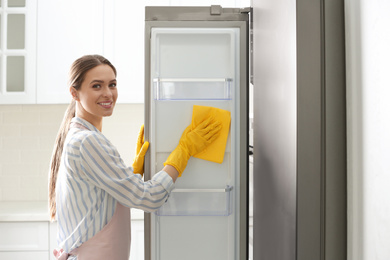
{"x": 97, "y": 95}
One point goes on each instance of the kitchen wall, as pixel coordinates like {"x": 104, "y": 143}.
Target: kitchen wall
{"x": 368, "y": 93}
{"x": 27, "y": 135}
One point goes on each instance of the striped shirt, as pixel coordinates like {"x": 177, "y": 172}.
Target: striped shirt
{"x": 91, "y": 179}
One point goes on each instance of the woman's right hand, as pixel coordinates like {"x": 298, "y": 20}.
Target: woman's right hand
{"x": 193, "y": 141}
{"x": 196, "y": 140}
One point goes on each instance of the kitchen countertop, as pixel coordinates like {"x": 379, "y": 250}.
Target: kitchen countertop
{"x": 37, "y": 211}
{"x": 24, "y": 211}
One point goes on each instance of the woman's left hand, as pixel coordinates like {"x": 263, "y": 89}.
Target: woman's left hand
{"x": 59, "y": 254}
{"x": 142, "y": 148}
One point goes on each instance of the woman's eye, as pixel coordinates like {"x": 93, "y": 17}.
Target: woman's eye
{"x": 113, "y": 85}
{"x": 96, "y": 86}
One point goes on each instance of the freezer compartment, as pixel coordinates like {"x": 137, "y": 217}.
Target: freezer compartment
{"x": 198, "y": 202}
{"x": 192, "y": 89}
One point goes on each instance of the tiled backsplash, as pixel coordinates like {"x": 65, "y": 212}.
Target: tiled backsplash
{"x": 27, "y": 134}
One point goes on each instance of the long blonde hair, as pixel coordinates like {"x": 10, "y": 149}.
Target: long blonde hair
{"x": 76, "y": 77}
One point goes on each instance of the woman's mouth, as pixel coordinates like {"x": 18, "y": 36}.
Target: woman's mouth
{"x": 105, "y": 104}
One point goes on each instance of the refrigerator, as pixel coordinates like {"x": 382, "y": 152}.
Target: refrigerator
{"x": 197, "y": 56}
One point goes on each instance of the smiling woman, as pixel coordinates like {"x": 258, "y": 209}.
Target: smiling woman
{"x": 78, "y": 74}
{"x": 94, "y": 187}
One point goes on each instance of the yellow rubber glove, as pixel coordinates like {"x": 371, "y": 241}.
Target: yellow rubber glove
{"x": 142, "y": 148}
{"x": 192, "y": 142}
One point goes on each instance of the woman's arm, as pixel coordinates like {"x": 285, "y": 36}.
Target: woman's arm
{"x": 171, "y": 172}
{"x": 103, "y": 166}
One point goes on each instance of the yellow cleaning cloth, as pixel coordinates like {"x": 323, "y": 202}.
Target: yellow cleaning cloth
{"x": 216, "y": 150}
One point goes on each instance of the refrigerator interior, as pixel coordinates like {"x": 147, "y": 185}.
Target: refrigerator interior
{"x": 195, "y": 66}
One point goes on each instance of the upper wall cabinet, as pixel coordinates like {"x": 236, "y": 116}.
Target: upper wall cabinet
{"x": 127, "y": 50}
{"x": 69, "y": 29}
{"x": 17, "y": 51}
{"x": 66, "y": 31}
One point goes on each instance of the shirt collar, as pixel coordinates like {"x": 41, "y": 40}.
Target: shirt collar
{"x": 84, "y": 123}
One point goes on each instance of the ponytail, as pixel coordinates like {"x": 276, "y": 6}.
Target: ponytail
{"x": 56, "y": 157}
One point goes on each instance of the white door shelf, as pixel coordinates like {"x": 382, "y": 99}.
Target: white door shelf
{"x": 198, "y": 202}
{"x": 193, "y": 89}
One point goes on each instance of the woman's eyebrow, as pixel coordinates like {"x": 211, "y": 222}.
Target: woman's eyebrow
{"x": 96, "y": 81}
{"x": 101, "y": 81}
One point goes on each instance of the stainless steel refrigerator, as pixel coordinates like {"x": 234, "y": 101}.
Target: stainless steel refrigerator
{"x": 197, "y": 56}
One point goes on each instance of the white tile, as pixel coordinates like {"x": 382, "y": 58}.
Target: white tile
{"x": 7, "y": 156}
{"x": 46, "y": 143}
{"x": 8, "y": 108}
{"x": 20, "y": 169}
{"x": 52, "y": 116}
{"x": 10, "y": 182}
{"x": 20, "y": 143}
{"x": 44, "y": 169}
{"x": 33, "y": 182}
{"x": 9, "y": 130}
{"x": 39, "y": 130}
{"x": 43, "y": 194}
{"x": 20, "y": 194}
{"x": 35, "y": 156}
{"x": 20, "y": 118}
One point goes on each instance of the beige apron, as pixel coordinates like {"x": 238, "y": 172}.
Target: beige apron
{"x": 112, "y": 242}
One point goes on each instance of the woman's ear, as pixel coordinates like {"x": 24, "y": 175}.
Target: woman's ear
{"x": 74, "y": 94}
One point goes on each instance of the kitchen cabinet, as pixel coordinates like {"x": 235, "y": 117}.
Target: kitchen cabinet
{"x": 67, "y": 30}
{"x": 52, "y": 239}
{"x": 137, "y": 239}
{"x": 24, "y": 240}
{"x": 18, "y": 52}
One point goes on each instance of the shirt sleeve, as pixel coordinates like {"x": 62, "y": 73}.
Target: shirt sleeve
{"x": 103, "y": 166}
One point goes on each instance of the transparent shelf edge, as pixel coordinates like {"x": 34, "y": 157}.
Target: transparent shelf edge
{"x": 198, "y": 202}
{"x": 192, "y": 88}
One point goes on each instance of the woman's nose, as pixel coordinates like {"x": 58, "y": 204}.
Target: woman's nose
{"x": 107, "y": 92}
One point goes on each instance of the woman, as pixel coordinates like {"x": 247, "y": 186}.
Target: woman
{"x": 90, "y": 187}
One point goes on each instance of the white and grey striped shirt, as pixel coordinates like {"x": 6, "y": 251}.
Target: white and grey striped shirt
{"x": 91, "y": 179}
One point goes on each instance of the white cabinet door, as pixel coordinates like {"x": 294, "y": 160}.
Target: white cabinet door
{"x": 24, "y": 255}
{"x": 24, "y": 240}
{"x": 18, "y": 52}
{"x": 137, "y": 240}
{"x": 66, "y": 31}
{"x": 52, "y": 239}
{"x": 24, "y": 236}
{"x": 127, "y": 51}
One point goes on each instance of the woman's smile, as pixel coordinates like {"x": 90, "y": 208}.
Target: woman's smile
{"x": 106, "y": 104}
